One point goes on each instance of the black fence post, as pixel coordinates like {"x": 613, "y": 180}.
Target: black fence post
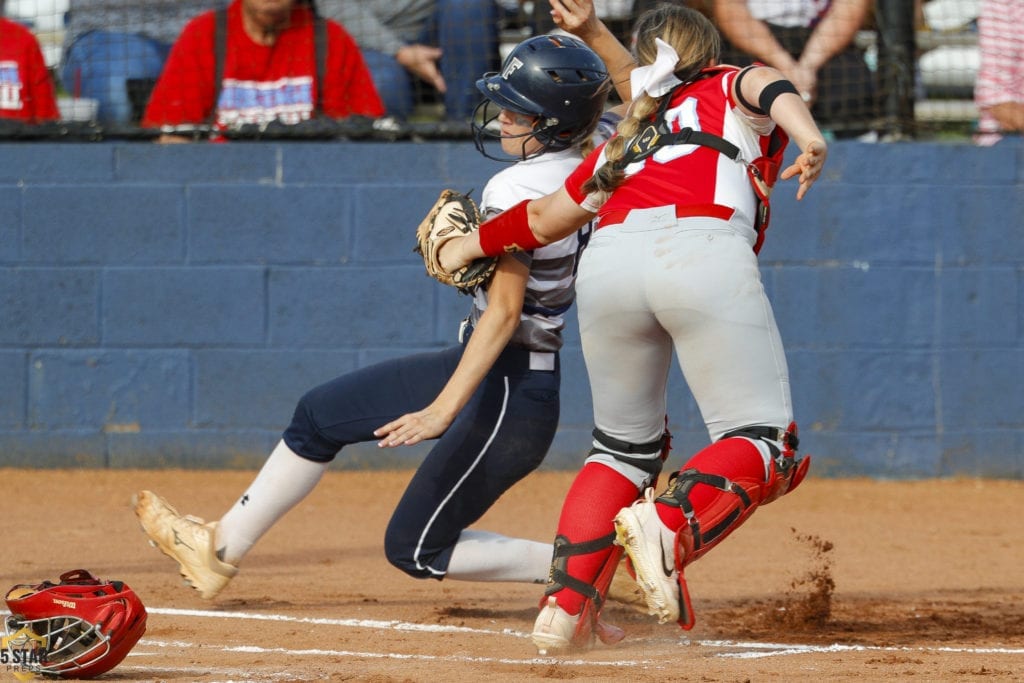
{"x": 897, "y": 57}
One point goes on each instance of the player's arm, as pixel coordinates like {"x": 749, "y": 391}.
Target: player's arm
{"x": 763, "y": 90}
{"x": 490, "y": 336}
{"x": 579, "y": 18}
{"x": 524, "y": 227}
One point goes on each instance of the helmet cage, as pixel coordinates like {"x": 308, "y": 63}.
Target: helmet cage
{"x": 71, "y": 643}
{"x": 85, "y": 626}
{"x": 486, "y": 128}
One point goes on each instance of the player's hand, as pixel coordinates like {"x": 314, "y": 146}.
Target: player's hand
{"x": 412, "y": 428}
{"x": 421, "y": 60}
{"x": 808, "y": 166}
{"x": 1009, "y": 116}
{"x": 576, "y": 17}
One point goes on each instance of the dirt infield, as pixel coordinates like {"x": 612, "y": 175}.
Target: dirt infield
{"x": 842, "y": 580}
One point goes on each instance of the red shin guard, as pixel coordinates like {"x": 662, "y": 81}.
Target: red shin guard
{"x": 716, "y": 492}
{"x": 585, "y": 555}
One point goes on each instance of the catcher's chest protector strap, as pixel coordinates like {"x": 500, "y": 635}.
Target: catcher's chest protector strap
{"x": 763, "y": 172}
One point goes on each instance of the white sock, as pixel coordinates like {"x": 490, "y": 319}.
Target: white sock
{"x": 284, "y": 480}
{"x": 485, "y": 556}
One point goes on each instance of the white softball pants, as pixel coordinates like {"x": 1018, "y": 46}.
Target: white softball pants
{"x": 692, "y": 284}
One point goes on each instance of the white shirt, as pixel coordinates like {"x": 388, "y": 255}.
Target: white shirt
{"x": 788, "y": 12}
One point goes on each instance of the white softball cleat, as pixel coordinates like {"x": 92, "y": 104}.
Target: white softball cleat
{"x": 554, "y": 629}
{"x": 651, "y": 548}
{"x": 625, "y": 591}
{"x": 187, "y": 540}
{"x": 558, "y": 632}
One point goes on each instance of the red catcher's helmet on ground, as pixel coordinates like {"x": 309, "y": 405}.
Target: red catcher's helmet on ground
{"x": 78, "y": 628}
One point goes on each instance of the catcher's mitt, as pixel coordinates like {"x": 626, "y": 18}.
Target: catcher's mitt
{"x": 453, "y": 215}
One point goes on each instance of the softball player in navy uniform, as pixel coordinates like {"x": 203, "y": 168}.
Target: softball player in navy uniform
{"x": 491, "y": 401}
{"x": 681, "y": 200}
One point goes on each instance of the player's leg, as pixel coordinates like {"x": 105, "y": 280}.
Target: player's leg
{"x": 340, "y": 412}
{"x": 628, "y": 358}
{"x": 730, "y": 351}
{"x": 501, "y": 436}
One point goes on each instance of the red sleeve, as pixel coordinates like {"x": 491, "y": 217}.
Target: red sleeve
{"x": 583, "y": 173}
{"x": 184, "y": 93}
{"x": 348, "y": 88}
{"x": 41, "y": 104}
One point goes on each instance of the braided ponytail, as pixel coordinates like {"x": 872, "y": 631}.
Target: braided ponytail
{"x": 695, "y": 39}
{"x": 610, "y": 175}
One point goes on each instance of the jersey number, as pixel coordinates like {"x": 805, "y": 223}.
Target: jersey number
{"x": 684, "y": 116}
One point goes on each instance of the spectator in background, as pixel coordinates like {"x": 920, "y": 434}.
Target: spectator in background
{"x": 269, "y": 61}
{"x": 115, "y": 49}
{"x": 445, "y": 43}
{"x": 999, "y": 89}
{"x": 811, "y": 43}
{"x": 26, "y": 91}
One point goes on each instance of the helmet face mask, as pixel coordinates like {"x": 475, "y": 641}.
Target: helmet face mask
{"x": 489, "y": 128}
{"x": 554, "y": 78}
{"x": 78, "y": 628}
{"x": 66, "y": 644}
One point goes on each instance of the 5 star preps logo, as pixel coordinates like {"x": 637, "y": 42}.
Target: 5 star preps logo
{"x": 23, "y": 653}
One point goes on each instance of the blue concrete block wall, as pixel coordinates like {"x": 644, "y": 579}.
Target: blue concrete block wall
{"x": 166, "y": 306}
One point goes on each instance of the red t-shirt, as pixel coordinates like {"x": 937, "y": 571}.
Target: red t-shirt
{"x": 260, "y": 83}
{"x": 26, "y": 91}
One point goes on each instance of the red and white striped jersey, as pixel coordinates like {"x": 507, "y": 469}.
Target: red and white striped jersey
{"x": 689, "y": 174}
{"x": 1001, "y": 73}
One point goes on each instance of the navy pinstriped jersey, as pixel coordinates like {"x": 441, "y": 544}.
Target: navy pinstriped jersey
{"x": 550, "y": 289}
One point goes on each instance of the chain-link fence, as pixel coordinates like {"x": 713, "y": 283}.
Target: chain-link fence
{"x": 141, "y": 69}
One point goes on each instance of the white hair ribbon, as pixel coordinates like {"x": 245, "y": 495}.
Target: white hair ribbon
{"x": 658, "y": 78}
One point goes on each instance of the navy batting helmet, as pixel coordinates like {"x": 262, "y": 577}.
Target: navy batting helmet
{"x": 557, "y": 79}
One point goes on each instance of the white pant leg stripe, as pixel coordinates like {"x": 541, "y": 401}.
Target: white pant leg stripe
{"x": 458, "y": 484}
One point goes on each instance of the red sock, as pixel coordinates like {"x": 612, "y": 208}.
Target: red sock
{"x": 596, "y": 496}
{"x": 735, "y": 458}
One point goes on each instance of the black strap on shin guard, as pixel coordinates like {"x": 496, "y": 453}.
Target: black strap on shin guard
{"x": 678, "y": 495}
{"x": 622, "y": 450}
{"x": 769, "y": 436}
{"x": 559, "y": 578}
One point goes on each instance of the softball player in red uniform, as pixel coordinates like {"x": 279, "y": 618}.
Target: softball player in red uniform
{"x": 680, "y": 197}
{"x": 491, "y": 401}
